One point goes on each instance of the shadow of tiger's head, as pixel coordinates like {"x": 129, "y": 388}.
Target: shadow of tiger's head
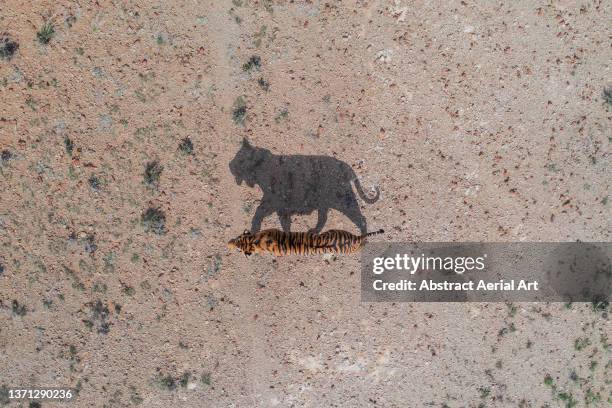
{"x": 244, "y": 165}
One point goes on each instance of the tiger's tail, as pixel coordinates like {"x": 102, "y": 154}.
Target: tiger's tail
{"x": 369, "y": 234}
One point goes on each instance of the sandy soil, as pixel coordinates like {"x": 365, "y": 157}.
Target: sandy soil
{"x": 478, "y": 121}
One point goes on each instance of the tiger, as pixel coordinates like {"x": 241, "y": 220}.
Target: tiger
{"x": 282, "y": 243}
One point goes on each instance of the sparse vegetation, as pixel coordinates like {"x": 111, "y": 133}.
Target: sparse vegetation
{"x": 170, "y": 382}
{"x": 265, "y": 85}
{"x": 484, "y": 392}
{"x": 72, "y": 357}
{"x": 99, "y": 313}
{"x": 607, "y": 94}
{"x": 253, "y": 62}
{"x": 590, "y": 397}
{"x": 128, "y": 290}
{"x": 215, "y": 266}
{"x": 186, "y": 146}
{"x": 99, "y": 310}
{"x": 247, "y": 207}
{"x": 135, "y": 397}
{"x": 18, "y": 310}
{"x": 90, "y": 245}
{"x": 569, "y": 400}
{"x": 167, "y": 382}
{"x": 140, "y": 95}
{"x": 206, "y": 378}
{"x": 573, "y": 376}
{"x": 94, "y": 182}
{"x": 76, "y": 282}
{"x": 282, "y": 115}
{"x": 581, "y": 342}
{"x": 8, "y": 48}
{"x": 69, "y": 145}
{"x": 31, "y": 104}
{"x": 548, "y": 380}
{"x": 109, "y": 262}
{"x": 5, "y": 156}
{"x": 46, "y": 33}
{"x": 511, "y": 309}
{"x": 184, "y": 380}
{"x": 152, "y": 174}
{"x": 259, "y": 36}
{"x": 268, "y": 6}
{"x": 239, "y": 111}
{"x": 154, "y": 220}
{"x": 99, "y": 287}
{"x": 70, "y": 20}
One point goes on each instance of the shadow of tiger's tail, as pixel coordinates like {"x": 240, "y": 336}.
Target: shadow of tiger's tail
{"x": 362, "y": 193}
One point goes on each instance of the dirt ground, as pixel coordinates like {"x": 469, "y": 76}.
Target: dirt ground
{"x": 478, "y": 121}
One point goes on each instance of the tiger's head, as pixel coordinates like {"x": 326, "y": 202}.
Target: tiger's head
{"x": 244, "y": 243}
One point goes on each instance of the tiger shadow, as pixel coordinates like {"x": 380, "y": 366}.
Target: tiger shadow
{"x": 299, "y": 185}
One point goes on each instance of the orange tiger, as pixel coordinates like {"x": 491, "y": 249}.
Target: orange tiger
{"x": 302, "y": 243}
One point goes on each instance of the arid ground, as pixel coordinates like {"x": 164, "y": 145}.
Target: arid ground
{"x": 477, "y": 121}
